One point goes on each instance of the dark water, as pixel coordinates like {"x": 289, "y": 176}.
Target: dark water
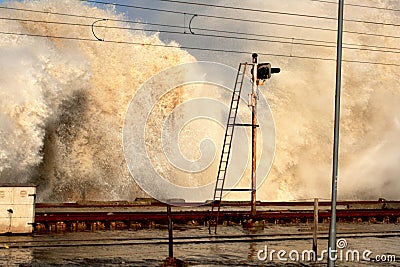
{"x": 233, "y": 246}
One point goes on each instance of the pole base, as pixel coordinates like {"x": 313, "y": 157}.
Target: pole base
{"x": 253, "y": 225}
{"x": 173, "y": 262}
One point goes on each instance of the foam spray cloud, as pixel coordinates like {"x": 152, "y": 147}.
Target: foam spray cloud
{"x": 63, "y": 104}
{"x": 302, "y": 102}
{"x": 35, "y": 80}
{"x": 302, "y": 97}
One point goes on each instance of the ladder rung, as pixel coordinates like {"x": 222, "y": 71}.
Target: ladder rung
{"x": 238, "y": 189}
{"x": 246, "y": 124}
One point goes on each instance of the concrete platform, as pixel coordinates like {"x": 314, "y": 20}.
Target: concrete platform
{"x": 139, "y": 214}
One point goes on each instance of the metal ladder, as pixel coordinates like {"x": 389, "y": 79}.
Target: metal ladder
{"x": 226, "y": 149}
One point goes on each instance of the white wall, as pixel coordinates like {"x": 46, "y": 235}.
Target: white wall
{"x": 17, "y": 209}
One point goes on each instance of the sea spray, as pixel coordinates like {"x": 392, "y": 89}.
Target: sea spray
{"x": 36, "y": 80}
{"x": 63, "y": 101}
{"x": 302, "y": 101}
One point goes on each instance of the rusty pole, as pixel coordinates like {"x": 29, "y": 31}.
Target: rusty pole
{"x": 170, "y": 233}
{"x": 254, "y": 137}
{"x": 315, "y": 229}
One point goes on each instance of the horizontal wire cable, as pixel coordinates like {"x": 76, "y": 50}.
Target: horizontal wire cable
{"x": 196, "y": 48}
{"x": 358, "y": 5}
{"x": 232, "y": 18}
{"x": 201, "y": 34}
{"x": 292, "y": 38}
{"x": 182, "y": 13}
{"x": 269, "y": 12}
{"x": 183, "y": 27}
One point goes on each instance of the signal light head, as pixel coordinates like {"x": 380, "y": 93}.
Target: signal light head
{"x": 264, "y": 71}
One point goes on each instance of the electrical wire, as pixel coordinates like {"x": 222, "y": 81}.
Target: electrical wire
{"x": 182, "y": 13}
{"x": 269, "y": 12}
{"x": 204, "y": 29}
{"x": 196, "y": 48}
{"x": 200, "y": 34}
{"x": 358, "y": 5}
{"x": 232, "y": 18}
{"x": 241, "y": 9}
{"x": 237, "y": 19}
{"x": 292, "y": 38}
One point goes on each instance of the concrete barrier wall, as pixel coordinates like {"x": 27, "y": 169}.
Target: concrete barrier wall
{"x": 17, "y": 208}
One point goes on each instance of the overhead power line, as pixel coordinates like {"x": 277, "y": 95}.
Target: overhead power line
{"x": 290, "y": 42}
{"x": 241, "y": 9}
{"x": 183, "y": 27}
{"x": 291, "y": 38}
{"x": 268, "y": 12}
{"x": 196, "y": 48}
{"x": 237, "y": 8}
{"x": 358, "y": 5}
{"x": 237, "y": 19}
{"x": 211, "y": 16}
